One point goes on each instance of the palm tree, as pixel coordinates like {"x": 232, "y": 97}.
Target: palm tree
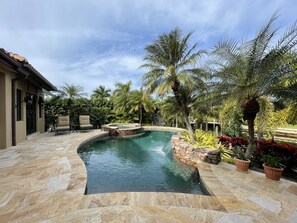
{"x": 193, "y": 100}
{"x": 72, "y": 92}
{"x": 140, "y": 101}
{"x": 121, "y": 96}
{"x": 101, "y": 95}
{"x": 254, "y": 69}
{"x": 170, "y": 61}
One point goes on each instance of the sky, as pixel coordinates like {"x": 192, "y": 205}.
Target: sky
{"x": 96, "y": 42}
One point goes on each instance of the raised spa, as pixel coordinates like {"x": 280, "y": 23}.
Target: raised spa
{"x": 141, "y": 163}
{"x": 122, "y": 129}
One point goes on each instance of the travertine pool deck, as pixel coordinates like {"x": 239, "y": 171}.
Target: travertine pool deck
{"x": 43, "y": 180}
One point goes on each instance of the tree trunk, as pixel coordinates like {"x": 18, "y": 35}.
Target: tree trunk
{"x": 252, "y": 144}
{"x": 189, "y": 127}
{"x": 184, "y": 111}
{"x": 140, "y": 115}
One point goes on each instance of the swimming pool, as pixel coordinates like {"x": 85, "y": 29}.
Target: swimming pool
{"x": 141, "y": 163}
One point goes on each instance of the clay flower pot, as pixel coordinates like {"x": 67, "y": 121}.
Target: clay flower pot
{"x": 273, "y": 173}
{"x": 242, "y": 165}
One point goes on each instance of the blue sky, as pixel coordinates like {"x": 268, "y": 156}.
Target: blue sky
{"x": 95, "y": 42}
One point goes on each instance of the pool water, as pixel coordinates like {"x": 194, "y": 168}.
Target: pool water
{"x": 141, "y": 163}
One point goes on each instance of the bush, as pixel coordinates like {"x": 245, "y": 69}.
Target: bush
{"x": 286, "y": 153}
{"x": 236, "y": 141}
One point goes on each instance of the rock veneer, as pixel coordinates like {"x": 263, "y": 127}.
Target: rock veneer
{"x": 186, "y": 153}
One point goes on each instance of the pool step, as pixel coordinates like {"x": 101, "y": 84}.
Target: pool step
{"x": 161, "y": 199}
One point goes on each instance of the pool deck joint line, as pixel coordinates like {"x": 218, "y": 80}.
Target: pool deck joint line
{"x": 43, "y": 180}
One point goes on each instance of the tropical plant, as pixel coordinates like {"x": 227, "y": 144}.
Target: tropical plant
{"x": 72, "y": 92}
{"x": 239, "y": 153}
{"x": 272, "y": 161}
{"x": 169, "y": 61}
{"x": 202, "y": 139}
{"x": 268, "y": 120}
{"x": 121, "y": 97}
{"x": 140, "y": 101}
{"x": 292, "y": 114}
{"x": 230, "y": 118}
{"x": 100, "y": 95}
{"x": 253, "y": 69}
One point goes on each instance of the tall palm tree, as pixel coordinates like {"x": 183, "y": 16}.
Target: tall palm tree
{"x": 170, "y": 61}
{"x": 140, "y": 101}
{"x": 253, "y": 69}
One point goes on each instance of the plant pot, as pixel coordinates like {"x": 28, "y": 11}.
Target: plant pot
{"x": 273, "y": 173}
{"x": 242, "y": 165}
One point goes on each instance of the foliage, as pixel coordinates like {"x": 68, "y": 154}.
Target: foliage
{"x": 292, "y": 114}
{"x": 72, "y": 92}
{"x": 268, "y": 120}
{"x": 227, "y": 155}
{"x": 230, "y": 118}
{"x": 126, "y": 102}
{"x": 202, "y": 139}
{"x": 236, "y": 141}
{"x": 272, "y": 161}
{"x": 285, "y": 152}
{"x": 256, "y": 68}
{"x": 141, "y": 102}
{"x": 169, "y": 61}
{"x": 239, "y": 153}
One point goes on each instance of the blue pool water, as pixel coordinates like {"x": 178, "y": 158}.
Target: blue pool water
{"x": 142, "y": 163}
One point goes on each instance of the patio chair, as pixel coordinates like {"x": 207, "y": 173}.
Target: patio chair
{"x": 63, "y": 124}
{"x": 84, "y": 123}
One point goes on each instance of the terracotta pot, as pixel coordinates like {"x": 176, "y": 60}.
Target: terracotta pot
{"x": 273, "y": 173}
{"x": 242, "y": 165}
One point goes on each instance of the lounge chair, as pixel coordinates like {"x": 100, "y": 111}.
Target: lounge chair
{"x": 84, "y": 122}
{"x": 63, "y": 124}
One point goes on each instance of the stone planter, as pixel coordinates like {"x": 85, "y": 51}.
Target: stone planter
{"x": 273, "y": 173}
{"x": 242, "y": 165}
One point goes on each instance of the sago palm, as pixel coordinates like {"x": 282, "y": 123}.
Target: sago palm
{"x": 253, "y": 69}
{"x": 170, "y": 63}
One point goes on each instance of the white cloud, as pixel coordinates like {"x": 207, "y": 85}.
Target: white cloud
{"x": 96, "y": 42}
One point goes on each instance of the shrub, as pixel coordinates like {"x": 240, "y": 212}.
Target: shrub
{"x": 202, "y": 139}
{"x": 286, "y": 153}
{"x": 236, "y": 141}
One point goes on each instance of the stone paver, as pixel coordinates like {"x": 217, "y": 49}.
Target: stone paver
{"x": 43, "y": 180}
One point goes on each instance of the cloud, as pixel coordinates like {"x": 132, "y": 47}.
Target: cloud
{"x": 96, "y": 42}
{"x": 91, "y": 72}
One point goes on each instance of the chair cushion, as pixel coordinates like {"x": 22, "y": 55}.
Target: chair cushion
{"x": 63, "y": 121}
{"x": 84, "y": 120}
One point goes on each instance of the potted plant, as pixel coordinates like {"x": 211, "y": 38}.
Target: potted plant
{"x": 273, "y": 169}
{"x": 241, "y": 162}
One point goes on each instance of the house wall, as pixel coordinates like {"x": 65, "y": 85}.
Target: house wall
{"x": 2, "y": 112}
{"x": 21, "y": 131}
{"x": 6, "y": 78}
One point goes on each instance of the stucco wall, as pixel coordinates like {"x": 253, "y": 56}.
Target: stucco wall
{"x": 2, "y": 112}
{"x": 21, "y": 125}
{"x": 6, "y": 77}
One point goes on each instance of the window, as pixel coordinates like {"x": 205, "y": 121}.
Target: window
{"x": 19, "y": 105}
